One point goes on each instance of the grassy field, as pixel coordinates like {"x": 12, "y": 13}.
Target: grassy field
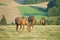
{"x": 39, "y": 32}
{"x": 31, "y": 10}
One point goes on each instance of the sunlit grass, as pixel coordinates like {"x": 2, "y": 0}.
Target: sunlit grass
{"x": 39, "y": 32}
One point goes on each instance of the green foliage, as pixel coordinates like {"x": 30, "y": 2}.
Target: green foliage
{"x": 12, "y": 23}
{"x": 33, "y": 1}
{"x": 58, "y": 3}
{"x": 48, "y": 21}
{"x": 58, "y": 20}
{"x": 50, "y": 4}
{"x": 3, "y": 21}
{"x": 53, "y": 11}
{"x": 53, "y": 19}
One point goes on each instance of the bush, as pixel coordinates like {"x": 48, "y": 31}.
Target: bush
{"x": 3, "y": 20}
{"x": 58, "y": 21}
{"x": 53, "y": 12}
{"x": 12, "y": 23}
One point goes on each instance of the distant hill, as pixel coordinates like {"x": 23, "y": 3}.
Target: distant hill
{"x": 10, "y": 13}
{"x": 30, "y": 1}
{"x": 38, "y": 12}
{"x": 10, "y": 10}
{"x": 15, "y": 3}
{"x": 9, "y": 2}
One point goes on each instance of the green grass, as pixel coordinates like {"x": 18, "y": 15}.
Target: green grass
{"x": 28, "y": 10}
{"x": 39, "y": 32}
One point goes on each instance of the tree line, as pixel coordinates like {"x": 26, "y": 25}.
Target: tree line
{"x": 54, "y": 11}
{"x": 34, "y": 1}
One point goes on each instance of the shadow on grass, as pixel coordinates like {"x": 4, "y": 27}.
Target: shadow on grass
{"x": 45, "y": 12}
{"x": 35, "y": 14}
{"x": 39, "y": 8}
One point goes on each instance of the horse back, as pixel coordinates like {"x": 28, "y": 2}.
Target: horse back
{"x": 42, "y": 21}
{"x": 18, "y": 20}
{"x": 31, "y": 18}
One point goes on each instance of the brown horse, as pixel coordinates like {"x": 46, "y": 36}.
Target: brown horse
{"x": 42, "y": 21}
{"x": 22, "y": 21}
{"x": 32, "y": 20}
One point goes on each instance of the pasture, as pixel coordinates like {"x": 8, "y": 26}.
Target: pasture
{"x": 39, "y": 32}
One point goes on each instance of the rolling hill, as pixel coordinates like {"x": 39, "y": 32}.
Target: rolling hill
{"x": 10, "y": 10}
{"x": 14, "y": 3}
{"x": 9, "y": 2}
{"x": 33, "y": 11}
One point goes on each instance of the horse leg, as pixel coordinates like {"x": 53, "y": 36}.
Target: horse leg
{"x": 20, "y": 26}
{"x": 32, "y": 25}
{"x": 16, "y": 27}
{"x": 23, "y": 27}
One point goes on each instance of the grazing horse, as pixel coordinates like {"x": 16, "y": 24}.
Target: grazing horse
{"x": 42, "y": 21}
{"x": 32, "y": 20}
{"x": 22, "y": 21}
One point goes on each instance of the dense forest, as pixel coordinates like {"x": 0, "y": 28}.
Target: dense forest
{"x": 54, "y": 11}
{"x": 33, "y": 1}
{"x": 30, "y": 1}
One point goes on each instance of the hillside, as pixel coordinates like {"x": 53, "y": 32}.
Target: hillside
{"x": 8, "y": 8}
{"x": 10, "y": 12}
{"x": 33, "y": 11}
{"x": 42, "y": 5}
{"x": 14, "y": 3}
{"x": 30, "y": 1}
{"x": 9, "y": 2}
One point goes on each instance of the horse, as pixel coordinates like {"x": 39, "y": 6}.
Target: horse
{"x": 42, "y": 21}
{"x": 21, "y": 21}
{"x": 32, "y": 21}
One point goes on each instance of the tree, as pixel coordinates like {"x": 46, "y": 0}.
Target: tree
{"x": 50, "y": 4}
{"x": 33, "y": 1}
{"x": 3, "y": 20}
{"x": 53, "y": 11}
{"x": 54, "y": 7}
{"x": 58, "y": 20}
{"x": 58, "y": 3}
